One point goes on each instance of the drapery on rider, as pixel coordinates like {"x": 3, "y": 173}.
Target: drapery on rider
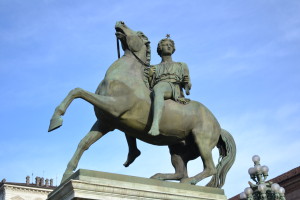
{"x": 167, "y": 80}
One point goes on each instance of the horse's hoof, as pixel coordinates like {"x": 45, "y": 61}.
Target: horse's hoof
{"x": 157, "y": 176}
{"x": 66, "y": 176}
{"x": 191, "y": 181}
{"x": 55, "y": 123}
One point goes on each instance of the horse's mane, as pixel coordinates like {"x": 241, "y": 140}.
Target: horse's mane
{"x": 148, "y": 57}
{"x": 147, "y": 43}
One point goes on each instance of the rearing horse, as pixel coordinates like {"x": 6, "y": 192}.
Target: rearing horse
{"x": 122, "y": 101}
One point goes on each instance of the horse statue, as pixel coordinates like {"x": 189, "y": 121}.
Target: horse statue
{"x": 123, "y": 101}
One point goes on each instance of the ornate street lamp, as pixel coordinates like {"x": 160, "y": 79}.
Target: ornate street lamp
{"x": 262, "y": 189}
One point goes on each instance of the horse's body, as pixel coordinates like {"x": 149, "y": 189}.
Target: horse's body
{"x": 122, "y": 101}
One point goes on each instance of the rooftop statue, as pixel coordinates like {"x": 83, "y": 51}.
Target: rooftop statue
{"x": 123, "y": 101}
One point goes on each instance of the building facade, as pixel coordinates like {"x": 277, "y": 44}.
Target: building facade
{"x": 290, "y": 181}
{"x": 25, "y": 191}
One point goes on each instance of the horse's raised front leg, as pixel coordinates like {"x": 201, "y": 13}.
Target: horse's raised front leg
{"x": 109, "y": 104}
{"x": 97, "y": 131}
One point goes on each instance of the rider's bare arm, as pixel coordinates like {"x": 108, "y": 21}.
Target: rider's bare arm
{"x": 152, "y": 71}
{"x": 186, "y": 79}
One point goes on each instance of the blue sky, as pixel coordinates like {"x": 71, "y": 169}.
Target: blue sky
{"x": 243, "y": 56}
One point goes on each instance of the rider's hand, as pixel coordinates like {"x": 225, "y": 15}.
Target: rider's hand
{"x": 186, "y": 79}
{"x": 152, "y": 71}
{"x": 187, "y": 90}
{"x": 187, "y": 84}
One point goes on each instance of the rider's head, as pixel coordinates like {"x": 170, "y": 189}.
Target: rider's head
{"x": 162, "y": 42}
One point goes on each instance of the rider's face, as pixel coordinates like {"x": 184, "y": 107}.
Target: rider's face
{"x": 167, "y": 48}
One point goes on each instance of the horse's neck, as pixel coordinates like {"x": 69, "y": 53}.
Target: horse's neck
{"x": 139, "y": 57}
{"x": 131, "y": 64}
{"x": 129, "y": 70}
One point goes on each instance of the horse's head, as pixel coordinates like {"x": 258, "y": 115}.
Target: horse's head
{"x": 134, "y": 41}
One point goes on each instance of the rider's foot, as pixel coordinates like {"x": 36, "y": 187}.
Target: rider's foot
{"x": 131, "y": 157}
{"x": 154, "y": 131}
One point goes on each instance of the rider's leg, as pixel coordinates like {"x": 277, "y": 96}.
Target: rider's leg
{"x": 134, "y": 152}
{"x": 161, "y": 91}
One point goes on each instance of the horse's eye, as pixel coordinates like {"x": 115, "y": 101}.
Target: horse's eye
{"x": 122, "y": 22}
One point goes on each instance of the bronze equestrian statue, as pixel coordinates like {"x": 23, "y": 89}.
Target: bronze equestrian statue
{"x": 123, "y": 101}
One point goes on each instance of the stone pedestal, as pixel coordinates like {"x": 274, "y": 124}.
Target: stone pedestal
{"x": 87, "y": 184}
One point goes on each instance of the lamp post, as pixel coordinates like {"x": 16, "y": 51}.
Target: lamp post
{"x": 262, "y": 189}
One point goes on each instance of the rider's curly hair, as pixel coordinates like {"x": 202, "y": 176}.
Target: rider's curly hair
{"x": 160, "y": 44}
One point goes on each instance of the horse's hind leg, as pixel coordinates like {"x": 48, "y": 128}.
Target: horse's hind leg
{"x": 180, "y": 170}
{"x": 97, "y": 131}
{"x": 204, "y": 143}
{"x": 178, "y": 162}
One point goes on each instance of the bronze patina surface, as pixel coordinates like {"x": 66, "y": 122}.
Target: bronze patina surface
{"x": 123, "y": 101}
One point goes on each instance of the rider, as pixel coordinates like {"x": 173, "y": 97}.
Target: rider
{"x": 167, "y": 80}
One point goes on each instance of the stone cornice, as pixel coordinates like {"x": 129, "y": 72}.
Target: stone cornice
{"x": 288, "y": 175}
{"x": 289, "y": 180}
{"x": 26, "y": 189}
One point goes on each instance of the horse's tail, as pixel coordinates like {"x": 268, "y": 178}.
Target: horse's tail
{"x": 227, "y": 152}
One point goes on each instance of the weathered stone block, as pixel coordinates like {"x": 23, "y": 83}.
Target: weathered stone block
{"x": 87, "y": 184}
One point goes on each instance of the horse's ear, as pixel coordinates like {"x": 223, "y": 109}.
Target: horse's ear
{"x": 134, "y": 43}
